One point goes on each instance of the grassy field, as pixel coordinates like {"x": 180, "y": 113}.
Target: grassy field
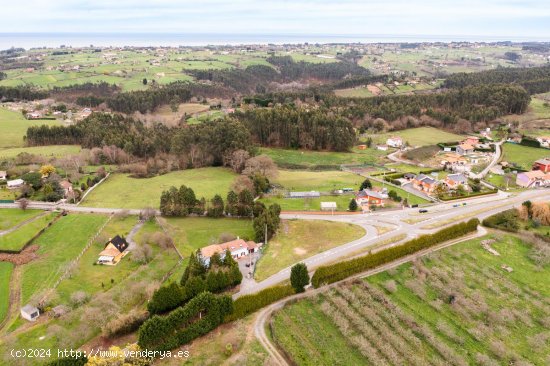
{"x": 308, "y": 204}
{"x": 10, "y": 217}
{"x": 6, "y": 269}
{"x": 46, "y": 151}
{"x": 325, "y": 181}
{"x": 420, "y": 136}
{"x": 500, "y": 181}
{"x": 14, "y": 126}
{"x": 192, "y": 233}
{"x": 466, "y": 309}
{"x": 523, "y": 156}
{"x": 308, "y": 159}
{"x": 300, "y": 239}
{"x": 122, "y": 191}
{"x": 16, "y": 240}
{"x": 59, "y": 245}
{"x": 92, "y": 278}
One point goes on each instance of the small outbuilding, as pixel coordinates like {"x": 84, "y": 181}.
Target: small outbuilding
{"x": 328, "y": 206}
{"x": 30, "y": 312}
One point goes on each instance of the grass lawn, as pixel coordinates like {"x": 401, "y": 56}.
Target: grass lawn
{"x": 310, "y": 159}
{"x": 420, "y": 136}
{"x": 300, "y": 239}
{"x": 14, "y": 126}
{"x": 122, "y": 191}
{"x": 92, "y": 278}
{"x": 59, "y": 245}
{"x": 523, "y": 156}
{"x": 325, "y": 181}
{"x": 6, "y": 269}
{"x": 10, "y": 217}
{"x": 308, "y": 204}
{"x": 500, "y": 181}
{"x": 46, "y": 151}
{"x": 192, "y": 233}
{"x": 466, "y": 309}
{"x": 17, "y": 239}
{"x": 407, "y": 168}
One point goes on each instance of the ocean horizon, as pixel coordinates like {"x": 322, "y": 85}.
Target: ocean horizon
{"x": 50, "y": 40}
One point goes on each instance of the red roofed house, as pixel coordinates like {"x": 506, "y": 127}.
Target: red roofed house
{"x": 238, "y": 248}
{"x": 464, "y": 149}
{"x": 67, "y": 187}
{"x": 532, "y": 179}
{"x": 471, "y": 140}
{"x": 542, "y": 165}
{"x": 367, "y": 198}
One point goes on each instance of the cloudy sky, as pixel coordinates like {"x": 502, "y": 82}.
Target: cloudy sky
{"x": 513, "y": 18}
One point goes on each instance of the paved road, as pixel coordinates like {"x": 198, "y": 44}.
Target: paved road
{"x": 442, "y": 212}
{"x": 494, "y": 161}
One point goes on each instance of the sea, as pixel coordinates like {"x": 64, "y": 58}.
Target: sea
{"x": 50, "y": 40}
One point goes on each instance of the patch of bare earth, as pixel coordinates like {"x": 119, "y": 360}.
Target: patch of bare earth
{"x": 27, "y": 255}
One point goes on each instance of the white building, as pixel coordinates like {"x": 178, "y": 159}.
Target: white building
{"x": 328, "y": 206}
{"x": 30, "y": 313}
{"x": 16, "y": 183}
{"x": 238, "y": 248}
{"x": 395, "y": 141}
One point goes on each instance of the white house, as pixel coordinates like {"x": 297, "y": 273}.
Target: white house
{"x": 16, "y": 183}
{"x": 30, "y": 313}
{"x": 3, "y": 175}
{"x": 238, "y": 248}
{"x": 395, "y": 141}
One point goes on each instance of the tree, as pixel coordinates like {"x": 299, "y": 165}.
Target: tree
{"x": 144, "y": 81}
{"x": 46, "y": 170}
{"x": 352, "y": 205}
{"x": 23, "y": 203}
{"x": 365, "y": 185}
{"x": 216, "y": 207}
{"x": 34, "y": 179}
{"x": 529, "y": 206}
{"x": 299, "y": 277}
{"x": 232, "y": 201}
{"x": 262, "y": 165}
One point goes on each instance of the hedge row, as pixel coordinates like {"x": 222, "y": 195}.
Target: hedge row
{"x": 198, "y": 317}
{"x": 470, "y": 195}
{"x": 248, "y": 304}
{"x": 339, "y": 271}
{"x": 506, "y": 220}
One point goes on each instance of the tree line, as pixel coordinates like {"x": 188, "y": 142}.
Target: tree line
{"x": 534, "y": 79}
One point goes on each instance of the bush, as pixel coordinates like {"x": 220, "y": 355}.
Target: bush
{"x": 299, "y": 278}
{"x": 339, "y": 271}
{"x": 166, "y": 298}
{"x": 248, "y": 304}
{"x": 198, "y": 317}
{"x": 507, "y": 220}
{"x": 124, "y": 324}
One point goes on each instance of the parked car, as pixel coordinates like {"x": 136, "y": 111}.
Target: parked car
{"x": 422, "y": 210}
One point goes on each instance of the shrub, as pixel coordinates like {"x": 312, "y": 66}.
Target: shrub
{"x": 166, "y": 298}
{"x": 124, "y": 324}
{"x": 506, "y": 220}
{"x": 352, "y": 205}
{"x": 299, "y": 278}
{"x": 79, "y": 298}
{"x": 339, "y": 271}
{"x": 248, "y": 304}
{"x": 198, "y": 317}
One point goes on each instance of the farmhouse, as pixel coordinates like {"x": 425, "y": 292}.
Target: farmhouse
{"x": 464, "y": 149}
{"x": 16, "y": 183}
{"x": 114, "y": 251}
{"x": 367, "y": 198}
{"x": 454, "y": 162}
{"x": 3, "y": 175}
{"x": 542, "y": 165}
{"x": 33, "y": 115}
{"x": 238, "y": 249}
{"x": 532, "y": 179}
{"x": 395, "y": 141}
{"x": 424, "y": 183}
{"x": 455, "y": 180}
{"x": 30, "y": 312}
{"x": 67, "y": 187}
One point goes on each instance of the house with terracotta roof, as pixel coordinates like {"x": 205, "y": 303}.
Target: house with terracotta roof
{"x": 67, "y": 187}
{"x": 368, "y": 198}
{"x": 424, "y": 183}
{"x": 454, "y": 162}
{"x": 471, "y": 140}
{"x": 542, "y": 165}
{"x": 115, "y": 249}
{"x": 533, "y": 179}
{"x": 464, "y": 149}
{"x": 238, "y": 249}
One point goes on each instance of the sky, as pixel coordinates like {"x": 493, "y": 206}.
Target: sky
{"x": 513, "y": 18}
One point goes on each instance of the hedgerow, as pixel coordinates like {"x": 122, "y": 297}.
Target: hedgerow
{"x": 198, "y": 317}
{"x": 339, "y": 271}
{"x": 248, "y": 304}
